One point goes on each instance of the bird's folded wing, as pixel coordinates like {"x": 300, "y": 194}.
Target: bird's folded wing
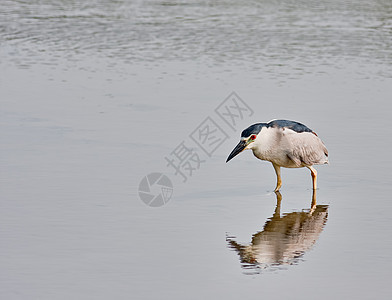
{"x": 307, "y": 149}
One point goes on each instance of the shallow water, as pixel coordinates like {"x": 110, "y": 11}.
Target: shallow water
{"x": 95, "y": 95}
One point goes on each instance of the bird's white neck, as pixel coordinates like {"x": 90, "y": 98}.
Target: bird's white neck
{"x": 265, "y": 143}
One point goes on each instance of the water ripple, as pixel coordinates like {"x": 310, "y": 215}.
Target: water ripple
{"x": 268, "y": 34}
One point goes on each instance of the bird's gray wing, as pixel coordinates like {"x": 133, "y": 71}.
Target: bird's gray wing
{"x": 306, "y": 149}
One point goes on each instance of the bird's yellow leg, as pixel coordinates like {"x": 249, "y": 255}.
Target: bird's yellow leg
{"x": 278, "y": 178}
{"x": 313, "y": 172}
{"x": 278, "y": 204}
{"x": 314, "y": 200}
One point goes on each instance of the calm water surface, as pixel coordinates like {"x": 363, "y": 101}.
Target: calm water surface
{"x": 95, "y": 94}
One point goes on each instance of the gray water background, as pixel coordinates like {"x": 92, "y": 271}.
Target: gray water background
{"x": 95, "y": 94}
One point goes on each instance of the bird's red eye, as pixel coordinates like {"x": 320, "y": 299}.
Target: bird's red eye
{"x": 252, "y": 137}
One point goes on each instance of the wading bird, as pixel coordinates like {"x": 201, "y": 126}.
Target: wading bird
{"x": 286, "y": 144}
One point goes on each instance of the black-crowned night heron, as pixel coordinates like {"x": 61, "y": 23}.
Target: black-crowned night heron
{"x": 286, "y": 144}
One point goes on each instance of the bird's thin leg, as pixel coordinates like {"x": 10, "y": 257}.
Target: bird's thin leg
{"x": 313, "y": 172}
{"x": 279, "y": 180}
{"x": 314, "y": 200}
{"x": 278, "y": 204}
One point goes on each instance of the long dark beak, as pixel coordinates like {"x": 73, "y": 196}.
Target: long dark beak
{"x": 237, "y": 150}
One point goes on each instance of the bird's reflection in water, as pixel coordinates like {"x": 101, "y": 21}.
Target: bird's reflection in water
{"x": 284, "y": 238}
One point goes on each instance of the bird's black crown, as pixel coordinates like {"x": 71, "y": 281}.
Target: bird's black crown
{"x": 253, "y": 129}
{"x": 256, "y": 128}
